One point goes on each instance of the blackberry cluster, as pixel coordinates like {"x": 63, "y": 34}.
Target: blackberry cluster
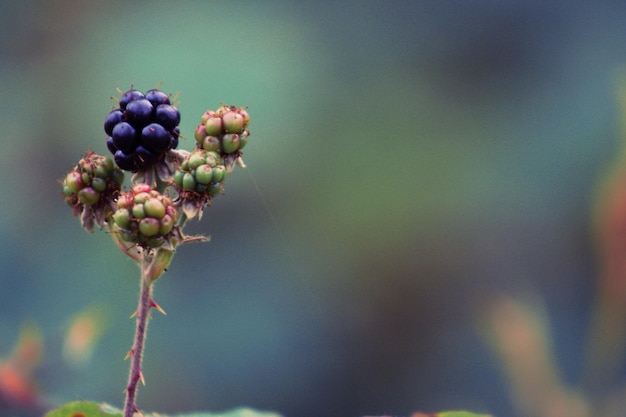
{"x": 93, "y": 181}
{"x": 200, "y": 175}
{"x": 145, "y": 216}
{"x": 224, "y": 130}
{"x": 142, "y": 129}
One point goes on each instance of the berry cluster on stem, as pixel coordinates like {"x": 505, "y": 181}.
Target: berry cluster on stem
{"x": 168, "y": 186}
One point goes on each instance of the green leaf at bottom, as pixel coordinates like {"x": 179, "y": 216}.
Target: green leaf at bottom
{"x": 84, "y": 409}
{"x": 450, "y": 414}
{"x": 92, "y": 409}
{"x": 239, "y": 412}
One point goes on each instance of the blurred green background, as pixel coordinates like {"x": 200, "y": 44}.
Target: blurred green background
{"x": 408, "y": 160}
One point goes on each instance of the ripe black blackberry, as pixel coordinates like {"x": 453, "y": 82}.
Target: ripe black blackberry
{"x": 142, "y": 130}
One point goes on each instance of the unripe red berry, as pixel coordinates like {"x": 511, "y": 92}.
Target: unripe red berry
{"x": 213, "y": 126}
{"x": 233, "y": 122}
{"x": 125, "y": 201}
{"x": 149, "y": 226}
{"x": 206, "y": 115}
{"x": 221, "y": 110}
{"x": 74, "y": 181}
{"x": 141, "y": 188}
{"x": 167, "y": 224}
{"x": 139, "y": 211}
{"x": 142, "y": 197}
{"x": 211, "y": 144}
{"x": 231, "y": 143}
{"x": 246, "y": 116}
{"x": 154, "y": 208}
{"x": 88, "y": 196}
{"x": 200, "y": 134}
{"x": 122, "y": 218}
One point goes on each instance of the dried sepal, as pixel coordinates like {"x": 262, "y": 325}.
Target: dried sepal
{"x": 192, "y": 208}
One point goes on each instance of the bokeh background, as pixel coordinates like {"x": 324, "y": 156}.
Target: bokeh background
{"x": 409, "y": 160}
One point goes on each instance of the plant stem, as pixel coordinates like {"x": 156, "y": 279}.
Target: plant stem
{"x": 143, "y": 314}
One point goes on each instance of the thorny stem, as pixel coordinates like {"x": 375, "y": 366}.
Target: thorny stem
{"x": 143, "y": 314}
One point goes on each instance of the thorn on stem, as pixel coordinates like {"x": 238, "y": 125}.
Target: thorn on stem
{"x": 158, "y": 308}
{"x": 129, "y": 354}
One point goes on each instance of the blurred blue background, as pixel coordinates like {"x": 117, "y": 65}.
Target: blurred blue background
{"x": 408, "y": 160}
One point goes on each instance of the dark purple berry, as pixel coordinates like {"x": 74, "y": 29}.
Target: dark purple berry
{"x": 111, "y": 146}
{"x": 124, "y": 161}
{"x": 167, "y": 115}
{"x": 114, "y": 117}
{"x": 175, "y": 135}
{"x": 173, "y": 141}
{"x": 157, "y": 97}
{"x": 139, "y": 112}
{"x": 155, "y": 138}
{"x": 129, "y": 96}
{"x": 124, "y": 137}
{"x": 144, "y": 158}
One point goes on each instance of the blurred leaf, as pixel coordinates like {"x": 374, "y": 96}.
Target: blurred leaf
{"x": 607, "y": 339}
{"x": 84, "y": 409}
{"x": 92, "y": 409}
{"x": 17, "y": 388}
{"x": 519, "y": 335}
{"x": 16, "y": 382}
{"x": 239, "y": 412}
{"x": 28, "y": 350}
{"x": 84, "y": 331}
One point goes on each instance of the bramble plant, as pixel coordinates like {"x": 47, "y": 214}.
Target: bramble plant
{"x": 168, "y": 187}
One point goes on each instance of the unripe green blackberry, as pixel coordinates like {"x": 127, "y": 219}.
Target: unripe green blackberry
{"x": 199, "y": 168}
{"x": 224, "y": 130}
{"x": 145, "y": 216}
{"x": 91, "y": 187}
{"x": 199, "y": 178}
{"x": 94, "y": 181}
